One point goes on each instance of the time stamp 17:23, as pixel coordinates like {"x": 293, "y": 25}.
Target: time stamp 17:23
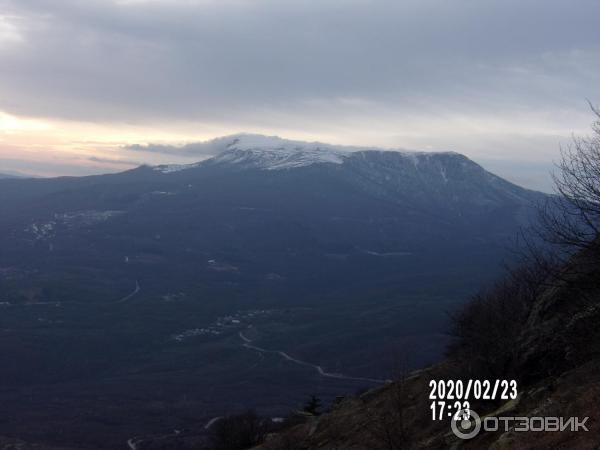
{"x": 450, "y": 397}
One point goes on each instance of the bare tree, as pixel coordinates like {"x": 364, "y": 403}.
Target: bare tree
{"x": 571, "y": 219}
{"x": 487, "y": 329}
{"x": 387, "y": 422}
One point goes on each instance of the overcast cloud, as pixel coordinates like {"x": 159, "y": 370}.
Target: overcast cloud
{"x": 502, "y": 79}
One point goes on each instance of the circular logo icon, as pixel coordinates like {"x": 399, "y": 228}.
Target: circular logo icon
{"x": 466, "y": 424}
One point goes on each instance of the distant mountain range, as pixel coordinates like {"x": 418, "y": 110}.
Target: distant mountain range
{"x": 336, "y": 256}
{"x": 11, "y": 175}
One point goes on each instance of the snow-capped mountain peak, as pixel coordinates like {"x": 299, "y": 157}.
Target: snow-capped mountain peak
{"x": 261, "y": 152}
{"x": 253, "y": 151}
{"x": 274, "y": 153}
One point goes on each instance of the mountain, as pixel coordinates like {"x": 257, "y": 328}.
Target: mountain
{"x": 178, "y": 288}
{"x": 10, "y": 175}
{"x": 262, "y": 208}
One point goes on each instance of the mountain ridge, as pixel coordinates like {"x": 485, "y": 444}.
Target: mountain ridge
{"x": 13, "y": 175}
{"x": 276, "y": 153}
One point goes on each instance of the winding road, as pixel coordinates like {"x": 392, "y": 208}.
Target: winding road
{"x": 132, "y": 294}
{"x": 211, "y": 422}
{"x": 128, "y": 297}
{"x": 247, "y": 343}
{"x": 132, "y": 444}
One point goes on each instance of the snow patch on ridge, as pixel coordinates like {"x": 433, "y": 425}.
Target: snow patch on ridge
{"x": 170, "y": 168}
{"x": 274, "y": 153}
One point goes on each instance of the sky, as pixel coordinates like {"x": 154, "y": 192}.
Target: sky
{"x": 84, "y": 85}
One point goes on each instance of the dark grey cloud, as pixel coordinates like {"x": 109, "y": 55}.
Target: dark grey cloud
{"x": 116, "y": 162}
{"x": 197, "y": 149}
{"x": 233, "y": 60}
